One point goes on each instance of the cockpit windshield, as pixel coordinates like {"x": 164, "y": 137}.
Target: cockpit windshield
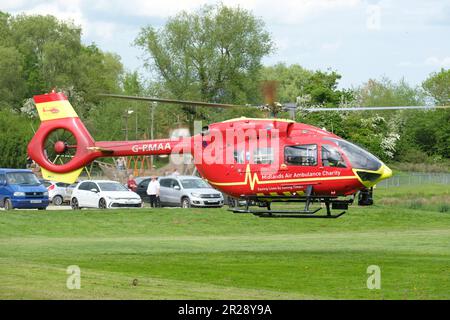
{"x": 358, "y": 157}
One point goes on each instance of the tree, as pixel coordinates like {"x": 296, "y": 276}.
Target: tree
{"x": 437, "y": 85}
{"x": 320, "y": 89}
{"x": 5, "y": 30}
{"x": 17, "y": 131}
{"x": 12, "y": 83}
{"x": 291, "y": 80}
{"x": 132, "y": 84}
{"x": 49, "y": 48}
{"x": 39, "y": 53}
{"x": 213, "y": 54}
{"x": 384, "y": 92}
{"x": 388, "y": 132}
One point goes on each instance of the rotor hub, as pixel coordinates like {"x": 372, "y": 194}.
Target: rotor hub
{"x": 60, "y": 147}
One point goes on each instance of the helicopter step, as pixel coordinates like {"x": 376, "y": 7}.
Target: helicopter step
{"x": 305, "y": 212}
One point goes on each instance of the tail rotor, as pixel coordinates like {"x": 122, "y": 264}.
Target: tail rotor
{"x": 60, "y": 146}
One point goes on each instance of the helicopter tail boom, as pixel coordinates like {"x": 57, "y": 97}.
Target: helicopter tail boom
{"x": 62, "y": 145}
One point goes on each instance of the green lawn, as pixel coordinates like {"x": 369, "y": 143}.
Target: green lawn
{"x": 214, "y": 254}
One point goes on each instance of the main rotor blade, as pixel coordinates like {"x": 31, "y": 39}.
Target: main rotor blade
{"x": 184, "y": 102}
{"x": 374, "y": 108}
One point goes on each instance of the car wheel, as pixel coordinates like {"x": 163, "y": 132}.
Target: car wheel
{"x": 74, "y": 204}
{"x": 8, "y": 204}
{"x": 102, "y": 203}
{"x": 57, "y": 200}
{"x": 185, "y": 203}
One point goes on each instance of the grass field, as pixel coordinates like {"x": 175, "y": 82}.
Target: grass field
{"x": 214, "y": 254}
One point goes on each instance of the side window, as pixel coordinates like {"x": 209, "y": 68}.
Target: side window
{"x": 62, "y": 184}
{"x": 331, "y": 157}
{"x": 301, "y": 155}
{"x": 165, "y": 183}
{"x": 2, "y": 178}
{"x": 94, "y": 186}
{"x": 263, "y": 156}
{"x": 144, "y": 183}
{"x": 241, "y": 157}
{"x": 174, "y": 183}
{"x": 84, "y": 186}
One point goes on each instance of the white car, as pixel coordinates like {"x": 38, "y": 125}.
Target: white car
{"x": 103, "y": 194}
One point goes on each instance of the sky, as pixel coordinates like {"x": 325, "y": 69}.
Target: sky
{"x": 360, "y": 39}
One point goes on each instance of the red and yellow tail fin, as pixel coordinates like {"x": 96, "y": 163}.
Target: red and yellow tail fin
{"x": 54, "y": 106}
{"x": 56, "y": 112}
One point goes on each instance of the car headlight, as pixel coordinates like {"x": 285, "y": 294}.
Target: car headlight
{"x": 194, "y": 194}
{"x": 19, "y": 194}
{"x": 46, "y": 194}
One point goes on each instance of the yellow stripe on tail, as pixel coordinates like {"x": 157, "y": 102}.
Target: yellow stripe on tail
{"x": 69, "y": 177}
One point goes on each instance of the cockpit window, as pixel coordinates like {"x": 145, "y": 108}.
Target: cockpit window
{"x": 331, "y": 157}
{"x": 358, "y": 157}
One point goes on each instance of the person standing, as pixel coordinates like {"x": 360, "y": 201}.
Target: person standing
{"x": 153, "y": 192}
{"x": 131, "y": 183}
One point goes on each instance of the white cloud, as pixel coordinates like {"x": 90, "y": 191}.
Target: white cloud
{"x": 285, "y": 11}
{"x": 405, "y": 64}
{"x": 61, "y": 9}
{"x": 331, "y": 46}
{"x": 434, "y": 61}
{"x": 308, "y": 32}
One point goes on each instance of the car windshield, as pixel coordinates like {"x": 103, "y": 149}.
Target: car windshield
{"x": 194, "y": 184}
{"x": 22, "y": 178}
{"x": 359, "y": 158}
{"x": 111, "y": 186}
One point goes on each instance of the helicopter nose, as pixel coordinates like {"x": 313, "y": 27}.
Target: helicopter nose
{"x": 386, "y": 173}
{"x": 370, "y": 178}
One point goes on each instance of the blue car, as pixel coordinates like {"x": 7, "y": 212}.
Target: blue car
{"x": 19, "y": 188}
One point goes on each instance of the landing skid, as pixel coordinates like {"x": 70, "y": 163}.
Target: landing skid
{"x": 288, "y": 213}
{"x": 306, "y": 212}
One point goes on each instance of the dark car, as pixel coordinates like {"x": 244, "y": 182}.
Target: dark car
{"x": 141, "y": 189}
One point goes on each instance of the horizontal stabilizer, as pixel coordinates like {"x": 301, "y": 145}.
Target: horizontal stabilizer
{"x": 104, "y": 150}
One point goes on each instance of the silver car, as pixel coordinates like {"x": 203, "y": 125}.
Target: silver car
{"x": 188, "y": 191}
{"x": 57, "y": 192}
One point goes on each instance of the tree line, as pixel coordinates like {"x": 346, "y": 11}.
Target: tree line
{"x": 214, "y": 54}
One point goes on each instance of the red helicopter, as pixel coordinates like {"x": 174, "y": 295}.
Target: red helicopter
{"x": 258, "y": 160}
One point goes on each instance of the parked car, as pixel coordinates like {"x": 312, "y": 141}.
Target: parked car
{"x": 140, "y": 179}
{"x": 19, "y": 188}
{"x": 103, "y": 194}
{"x": 69, "y": 191}
{"x": 188, "y": 191}
{"x": 141, "y": 189}
{"x": 57, "y": 192}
